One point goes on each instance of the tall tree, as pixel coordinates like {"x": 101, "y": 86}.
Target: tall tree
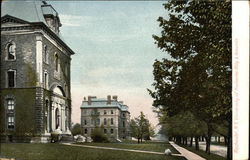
{"x": 197, "y": 36}
{"x": 140, "y": 127}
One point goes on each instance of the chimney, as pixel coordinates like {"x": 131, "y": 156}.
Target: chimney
{"x": 115, "y": 98}
{"x": 84, "y": 98}
{"x": 109, "y": 99}
{"x": 89, "y": 100}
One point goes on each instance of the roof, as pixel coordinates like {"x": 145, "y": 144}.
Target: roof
{"x": 102, "y": 103}
{"x": 30, "y": 11}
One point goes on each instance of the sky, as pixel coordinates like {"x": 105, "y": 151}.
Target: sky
{"x": 114, "y": 50}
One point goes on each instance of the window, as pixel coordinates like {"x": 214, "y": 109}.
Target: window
{"x": 10, "y": 122}
{"x": 56, "y": 62}
{"x": 105, "y": 131}
{"x": 105, "y": 121}
{"x": 10, "y": 113}
{"x": 111, "y": 131}
{"x": 46, "y": 54}
{"x": 112, "y": 121}
{"x": 123, "y": 123}
{"x": 11, "y": 49}
{"x": 105, "y": 112}
{"x": 85, "y": 122}
{"x": 11, "y": 78}
{"x": 123, "y": 114}
{"x": 112, "y": 112}
{"x": 85, "y": 131}
{"x": 46, "y": 80}
{"x": 57, "y": 116}
{"x": 98, "y": 121}
{"x": 10, "y": 105}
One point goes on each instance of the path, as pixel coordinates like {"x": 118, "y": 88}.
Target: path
{"x": 215, "y": 149}
{"x": 117, "y": 149}
{"x": 186, "y": 153}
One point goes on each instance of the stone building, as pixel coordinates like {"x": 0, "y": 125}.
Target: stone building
{"x": 35, "y": 73}
{"x": 110, "y": 115}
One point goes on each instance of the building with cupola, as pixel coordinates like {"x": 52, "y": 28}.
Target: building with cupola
{"x": 35, "y": 73}
{"x": 111, "y": 116}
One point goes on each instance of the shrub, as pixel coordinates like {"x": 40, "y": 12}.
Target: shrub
{"x": 98, "y": 136}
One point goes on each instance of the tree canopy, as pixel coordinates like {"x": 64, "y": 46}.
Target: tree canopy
{"x": 196, "y": 35}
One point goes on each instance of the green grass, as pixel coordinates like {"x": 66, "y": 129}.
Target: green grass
{"x": 220, "y": 144}
{"x": 145, "y": 146}
{"x": 203, "y": 154}
{"x": 25, "y": 151}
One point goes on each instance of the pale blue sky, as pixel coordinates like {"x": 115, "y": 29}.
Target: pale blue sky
{"x": 114, "y": 49}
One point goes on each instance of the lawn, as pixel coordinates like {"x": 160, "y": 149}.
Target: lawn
{"x": 25, "y": 151}
{"x": 145, "y": 146}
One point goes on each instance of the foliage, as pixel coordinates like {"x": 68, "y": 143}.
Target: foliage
{"x": 184, "y": 124}
{"x": 141, "y": 128}
{"x": 98, "y": 136}
{"x": 76, "y": 129}
{"x": 197, "y": 76}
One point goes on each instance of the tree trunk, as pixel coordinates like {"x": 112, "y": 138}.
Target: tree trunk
{"x": 191, "y": 142}
{"x": 219, "y": 139}
{"x": 229, "y": 142}
{"x": 208, "y": 142}
{"x": 225, "y": 140}
{"x": 196, "y": 143}
{"x": 202, "y": 138}
{"x": 138, "y": 140}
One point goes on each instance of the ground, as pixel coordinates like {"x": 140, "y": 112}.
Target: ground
{"x": 25, "y": 151}
{"x": 203, "y": 154}
{"x": 145, "y": 146}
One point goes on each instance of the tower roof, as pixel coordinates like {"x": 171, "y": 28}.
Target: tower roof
{"x": 30, "y": 11}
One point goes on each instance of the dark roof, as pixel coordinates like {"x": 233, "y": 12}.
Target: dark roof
{"x": 31, "y": 11}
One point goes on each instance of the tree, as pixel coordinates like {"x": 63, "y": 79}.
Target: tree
{"x": 97, "y": 135}
{"x": 140, "y": 128}
{"x": 198, "y": 72}
{"x": 76, "y": 129}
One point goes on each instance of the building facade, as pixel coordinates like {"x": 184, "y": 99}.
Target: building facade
{"x": 35, "y": 73}
{"x": 110, "y": 115}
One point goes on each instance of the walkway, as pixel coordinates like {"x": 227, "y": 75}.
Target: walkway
{"x": 186, "y": 153}
{"x": 118, "y": 149}
{"x": 215, "y": 149}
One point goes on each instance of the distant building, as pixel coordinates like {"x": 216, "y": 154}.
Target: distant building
{"x": 35, "y": 73}
{"x": 111, "y": 115}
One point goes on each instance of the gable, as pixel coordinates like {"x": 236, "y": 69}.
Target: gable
{"x": 8, "y": 20}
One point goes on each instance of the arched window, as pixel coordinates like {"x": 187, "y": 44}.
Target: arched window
{"x": 56, "y": 62}
{"x": 57, "y": 116}
{"x": 85, "y": 131}
{"x": 11, "y": 51}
